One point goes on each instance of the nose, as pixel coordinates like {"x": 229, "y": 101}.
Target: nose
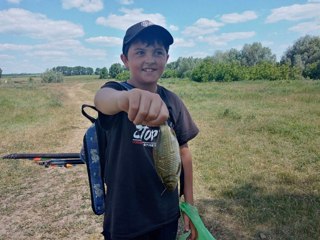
{"x": 150, "y": 58}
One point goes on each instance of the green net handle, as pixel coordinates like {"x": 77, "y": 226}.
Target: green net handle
{"x": 193, "y": 214}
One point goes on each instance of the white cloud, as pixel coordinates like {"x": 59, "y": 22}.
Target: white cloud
{"x": 105, "y": 41}
{"x": 224, "y": 38}
{"x": 49, "y": 54}
{"x": 64, "y": 44}
{"x": 239, "y": 17}
{"x": 72, "y": 47}
{"x": 126, "y": 2}
{"x": 294, "y": 12}
{"x": 130, "y": 17}
{"x": 93, "y": 54}
{"x": 173, "y": 28}
{"x": 267, "y": 43}
{"x": 6, "y": 57}
{"x": 306, "y": 27}
{"x": 18, "y": 21}
{"x": 52, "y": 53}
{"x": 14, "y": 1}
{"x": 202, "y": 26}
{"x": 14, "y": 47}
{"x": 83, "y": 5}
{"x": 180, "y": 42}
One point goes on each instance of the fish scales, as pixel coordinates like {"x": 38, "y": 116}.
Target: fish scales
{"x": 167, "y": 159}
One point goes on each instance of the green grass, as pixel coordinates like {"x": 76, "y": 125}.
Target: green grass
{"x": 258, "y": 156}
{"x": 26, "y": 110}
{"x": 256, "y": 159}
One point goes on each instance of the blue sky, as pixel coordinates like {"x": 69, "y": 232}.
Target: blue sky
{"x": 36, "y": 35}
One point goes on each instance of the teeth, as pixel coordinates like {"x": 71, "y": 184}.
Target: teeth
{"x": 148, "y": 70}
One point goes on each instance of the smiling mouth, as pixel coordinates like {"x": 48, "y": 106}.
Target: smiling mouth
{"x": 148, "y": 69}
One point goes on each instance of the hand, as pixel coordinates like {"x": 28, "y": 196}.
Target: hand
{"x": 188, "y": 225}
{"x": 144, "y": 107}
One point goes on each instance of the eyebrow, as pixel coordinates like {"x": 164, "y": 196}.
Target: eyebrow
{"x": 143, "y": 48}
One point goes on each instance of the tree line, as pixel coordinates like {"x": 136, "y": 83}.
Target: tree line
{"x": 104, "y": 72}
{"x": 252, "y": 62}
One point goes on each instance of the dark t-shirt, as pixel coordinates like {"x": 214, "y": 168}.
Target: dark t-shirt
{"x": 137, "y": 201}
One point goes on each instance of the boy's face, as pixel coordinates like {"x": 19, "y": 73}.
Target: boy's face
{"x": 145, "y": 62}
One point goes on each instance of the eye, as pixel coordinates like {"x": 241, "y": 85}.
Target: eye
{"x": 160, "y": 52}
{"x": 139, "y": 52}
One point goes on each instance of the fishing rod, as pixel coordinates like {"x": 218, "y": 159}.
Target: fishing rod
{"x": 61, "y": 162}
{"x": 49, "y": 159}
{"x": 40, "y": 155}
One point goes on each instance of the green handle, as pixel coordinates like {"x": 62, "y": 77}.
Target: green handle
{"x": 193, "y": 214}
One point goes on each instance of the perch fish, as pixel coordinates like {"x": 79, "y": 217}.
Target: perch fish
{"x": 166, "y": 156}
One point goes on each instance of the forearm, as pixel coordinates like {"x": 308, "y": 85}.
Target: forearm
{"x": 186, "y": 159}
{"x": 107, "y": 100}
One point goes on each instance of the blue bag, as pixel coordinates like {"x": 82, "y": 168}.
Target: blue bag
{"x": 93, "y": 153}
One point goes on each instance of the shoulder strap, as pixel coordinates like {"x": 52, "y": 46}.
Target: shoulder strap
{"x": 126, "y": 85}
{"x": 92, "y": 119}
{"x": 92, "y": 156}
{"x": 92, "y": 153}
{"x": 84, "y": 113}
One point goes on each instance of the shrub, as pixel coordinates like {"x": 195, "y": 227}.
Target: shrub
{"x": 123, "y": 76}
{"x": 50, "y": 76}
{"x": 169, "y": 73}
{"x": 103, "y": 73}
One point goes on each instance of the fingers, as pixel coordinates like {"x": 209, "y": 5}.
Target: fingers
{"x": 186, "y": 221}
{"x": 146, "y": 108}
{"x": 188, "y": 226}
{"x": 157, "y": 117}
{"x": 194, "y": 234}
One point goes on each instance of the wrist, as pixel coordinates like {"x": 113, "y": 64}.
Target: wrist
{"x": 123, "y": 101}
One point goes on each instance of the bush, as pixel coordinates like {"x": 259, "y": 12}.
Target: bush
{"x": 312, "y": 70}
{"x": 169, "y": 73}
{"x": 50, "y": 76}
{"x": 123, "y": 76}
{"x": 103, "y": 73}
{"x": 203, "y": 72}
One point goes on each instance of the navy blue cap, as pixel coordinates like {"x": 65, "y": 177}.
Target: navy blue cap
{"x": 137, "y": 28}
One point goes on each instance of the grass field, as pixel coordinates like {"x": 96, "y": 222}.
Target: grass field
{"x": 256, "y": 159}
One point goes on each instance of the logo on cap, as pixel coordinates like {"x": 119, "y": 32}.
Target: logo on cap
{"x": 146, "y": 23}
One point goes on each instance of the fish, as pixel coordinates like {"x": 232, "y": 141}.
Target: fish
{"x": 166, "y": 155}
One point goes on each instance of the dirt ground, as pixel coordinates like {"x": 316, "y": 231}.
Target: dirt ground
{"x": 53, "y": 203}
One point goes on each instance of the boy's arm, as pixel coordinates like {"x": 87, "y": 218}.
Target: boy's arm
{"x": 143, "y": 107}
{"x": 186, "y": 159}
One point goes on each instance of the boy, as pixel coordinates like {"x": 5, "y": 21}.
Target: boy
{"x": 138, "y": 206}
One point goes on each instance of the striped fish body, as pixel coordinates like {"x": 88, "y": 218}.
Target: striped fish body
{"x": 167, "y": 159}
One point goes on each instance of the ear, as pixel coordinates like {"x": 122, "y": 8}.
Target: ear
{"x": 167, "y": 57}
{"x": 124, "y": 59}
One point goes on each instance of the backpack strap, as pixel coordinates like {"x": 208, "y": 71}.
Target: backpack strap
{"x": 126, "y": 85}
{"x": 84, "y": 113}
{"x": 92, "y": 153}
